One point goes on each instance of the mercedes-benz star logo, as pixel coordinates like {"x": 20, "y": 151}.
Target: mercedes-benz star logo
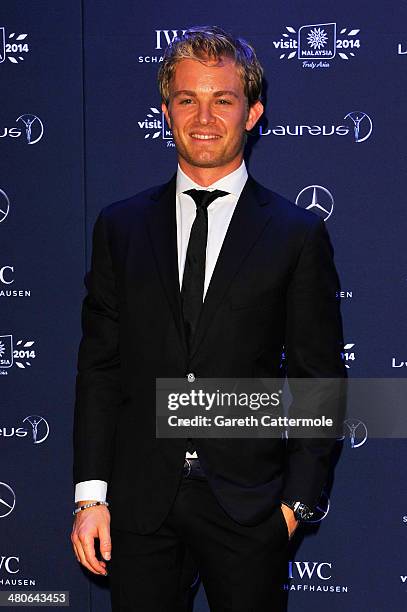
{"x": 4, "y": 205}
{"x": 7, "y": 500}
{"x": 321, "y": 509}
{"x": 317, "y": 199}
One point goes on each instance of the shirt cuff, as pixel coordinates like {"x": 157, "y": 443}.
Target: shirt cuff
{"x": 91, "y": 489}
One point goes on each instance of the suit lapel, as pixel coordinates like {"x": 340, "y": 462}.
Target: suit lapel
{"x": 250, "y": 217}
{"x": 162, "y": 228}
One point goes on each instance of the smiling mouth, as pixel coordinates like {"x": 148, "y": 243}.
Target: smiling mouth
{"x": 205, "y": 136}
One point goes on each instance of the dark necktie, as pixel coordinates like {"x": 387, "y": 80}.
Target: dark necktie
{"x": 194, "y": 271}
{"x": 193, "y": 280}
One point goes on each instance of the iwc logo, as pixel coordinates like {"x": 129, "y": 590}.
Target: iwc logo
{"x": 313, "y": 577}
{"x": 8, "y": 285}
{"x": 162, "y": 38}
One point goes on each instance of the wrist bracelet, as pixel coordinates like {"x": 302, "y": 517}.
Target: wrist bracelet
{"x": 90, "y": 505}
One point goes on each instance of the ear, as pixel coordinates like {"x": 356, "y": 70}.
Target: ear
{"x": 166, "y": 112}
{"x": 255, "y": 112}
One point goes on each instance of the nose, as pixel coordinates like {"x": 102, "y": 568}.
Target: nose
{"x": 205, "y": 115}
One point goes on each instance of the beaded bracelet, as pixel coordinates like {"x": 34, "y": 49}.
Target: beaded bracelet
{"x": 96, "y": 503}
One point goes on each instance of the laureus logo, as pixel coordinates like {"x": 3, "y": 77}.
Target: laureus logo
{"x": 40, "y": 428}
{"x": 34, "y": 128}
{"x": 358, "y": 125}
{"x": 37, "y": 425}
{"x": 362, "y": 125}
{"x": 356, "y": 431}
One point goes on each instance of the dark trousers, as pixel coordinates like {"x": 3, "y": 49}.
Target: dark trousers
{"x": 241, "y": 567}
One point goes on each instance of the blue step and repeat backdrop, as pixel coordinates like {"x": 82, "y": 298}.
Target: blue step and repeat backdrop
{"x": 81, "y": 127}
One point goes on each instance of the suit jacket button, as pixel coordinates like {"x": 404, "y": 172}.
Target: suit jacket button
{"x": 190, "y": 377}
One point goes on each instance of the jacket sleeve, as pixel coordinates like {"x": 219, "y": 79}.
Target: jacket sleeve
{"x": 98, "y": 390}
{"x": 314, "y": 350}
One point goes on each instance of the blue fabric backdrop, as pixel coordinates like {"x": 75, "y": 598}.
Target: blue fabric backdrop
{"x": 81, "y": 127}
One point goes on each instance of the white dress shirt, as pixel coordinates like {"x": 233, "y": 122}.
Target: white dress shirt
{"x": 219, "y": 215}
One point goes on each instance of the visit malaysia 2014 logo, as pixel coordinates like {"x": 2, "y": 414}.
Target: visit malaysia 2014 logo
{"x": 13, "y": 46}
{"x": 19, "y": 353}
{"x": 318, "y": 44}
{"x": 154, "y": 126}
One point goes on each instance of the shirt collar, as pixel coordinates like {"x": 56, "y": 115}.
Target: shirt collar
{"x": 232, "y": 183}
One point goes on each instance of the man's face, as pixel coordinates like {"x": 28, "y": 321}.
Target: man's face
{"x": 208, "y": 113}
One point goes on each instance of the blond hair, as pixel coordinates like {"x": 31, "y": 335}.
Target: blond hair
{"x": 211, "y": 43}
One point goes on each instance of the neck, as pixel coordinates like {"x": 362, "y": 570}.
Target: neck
{"x": 208, "y": 176}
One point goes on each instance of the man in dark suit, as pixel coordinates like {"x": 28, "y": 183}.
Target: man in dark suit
{"x": 209, "y": 275}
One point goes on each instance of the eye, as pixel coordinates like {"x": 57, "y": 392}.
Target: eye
{"x": 186, "y": 101}
{"x": 223, "y": 101}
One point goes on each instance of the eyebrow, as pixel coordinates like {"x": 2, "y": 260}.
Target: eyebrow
{"x": 216, "y": 94}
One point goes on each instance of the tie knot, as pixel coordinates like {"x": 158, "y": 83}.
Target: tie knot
{"x": 203, "y": 198}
